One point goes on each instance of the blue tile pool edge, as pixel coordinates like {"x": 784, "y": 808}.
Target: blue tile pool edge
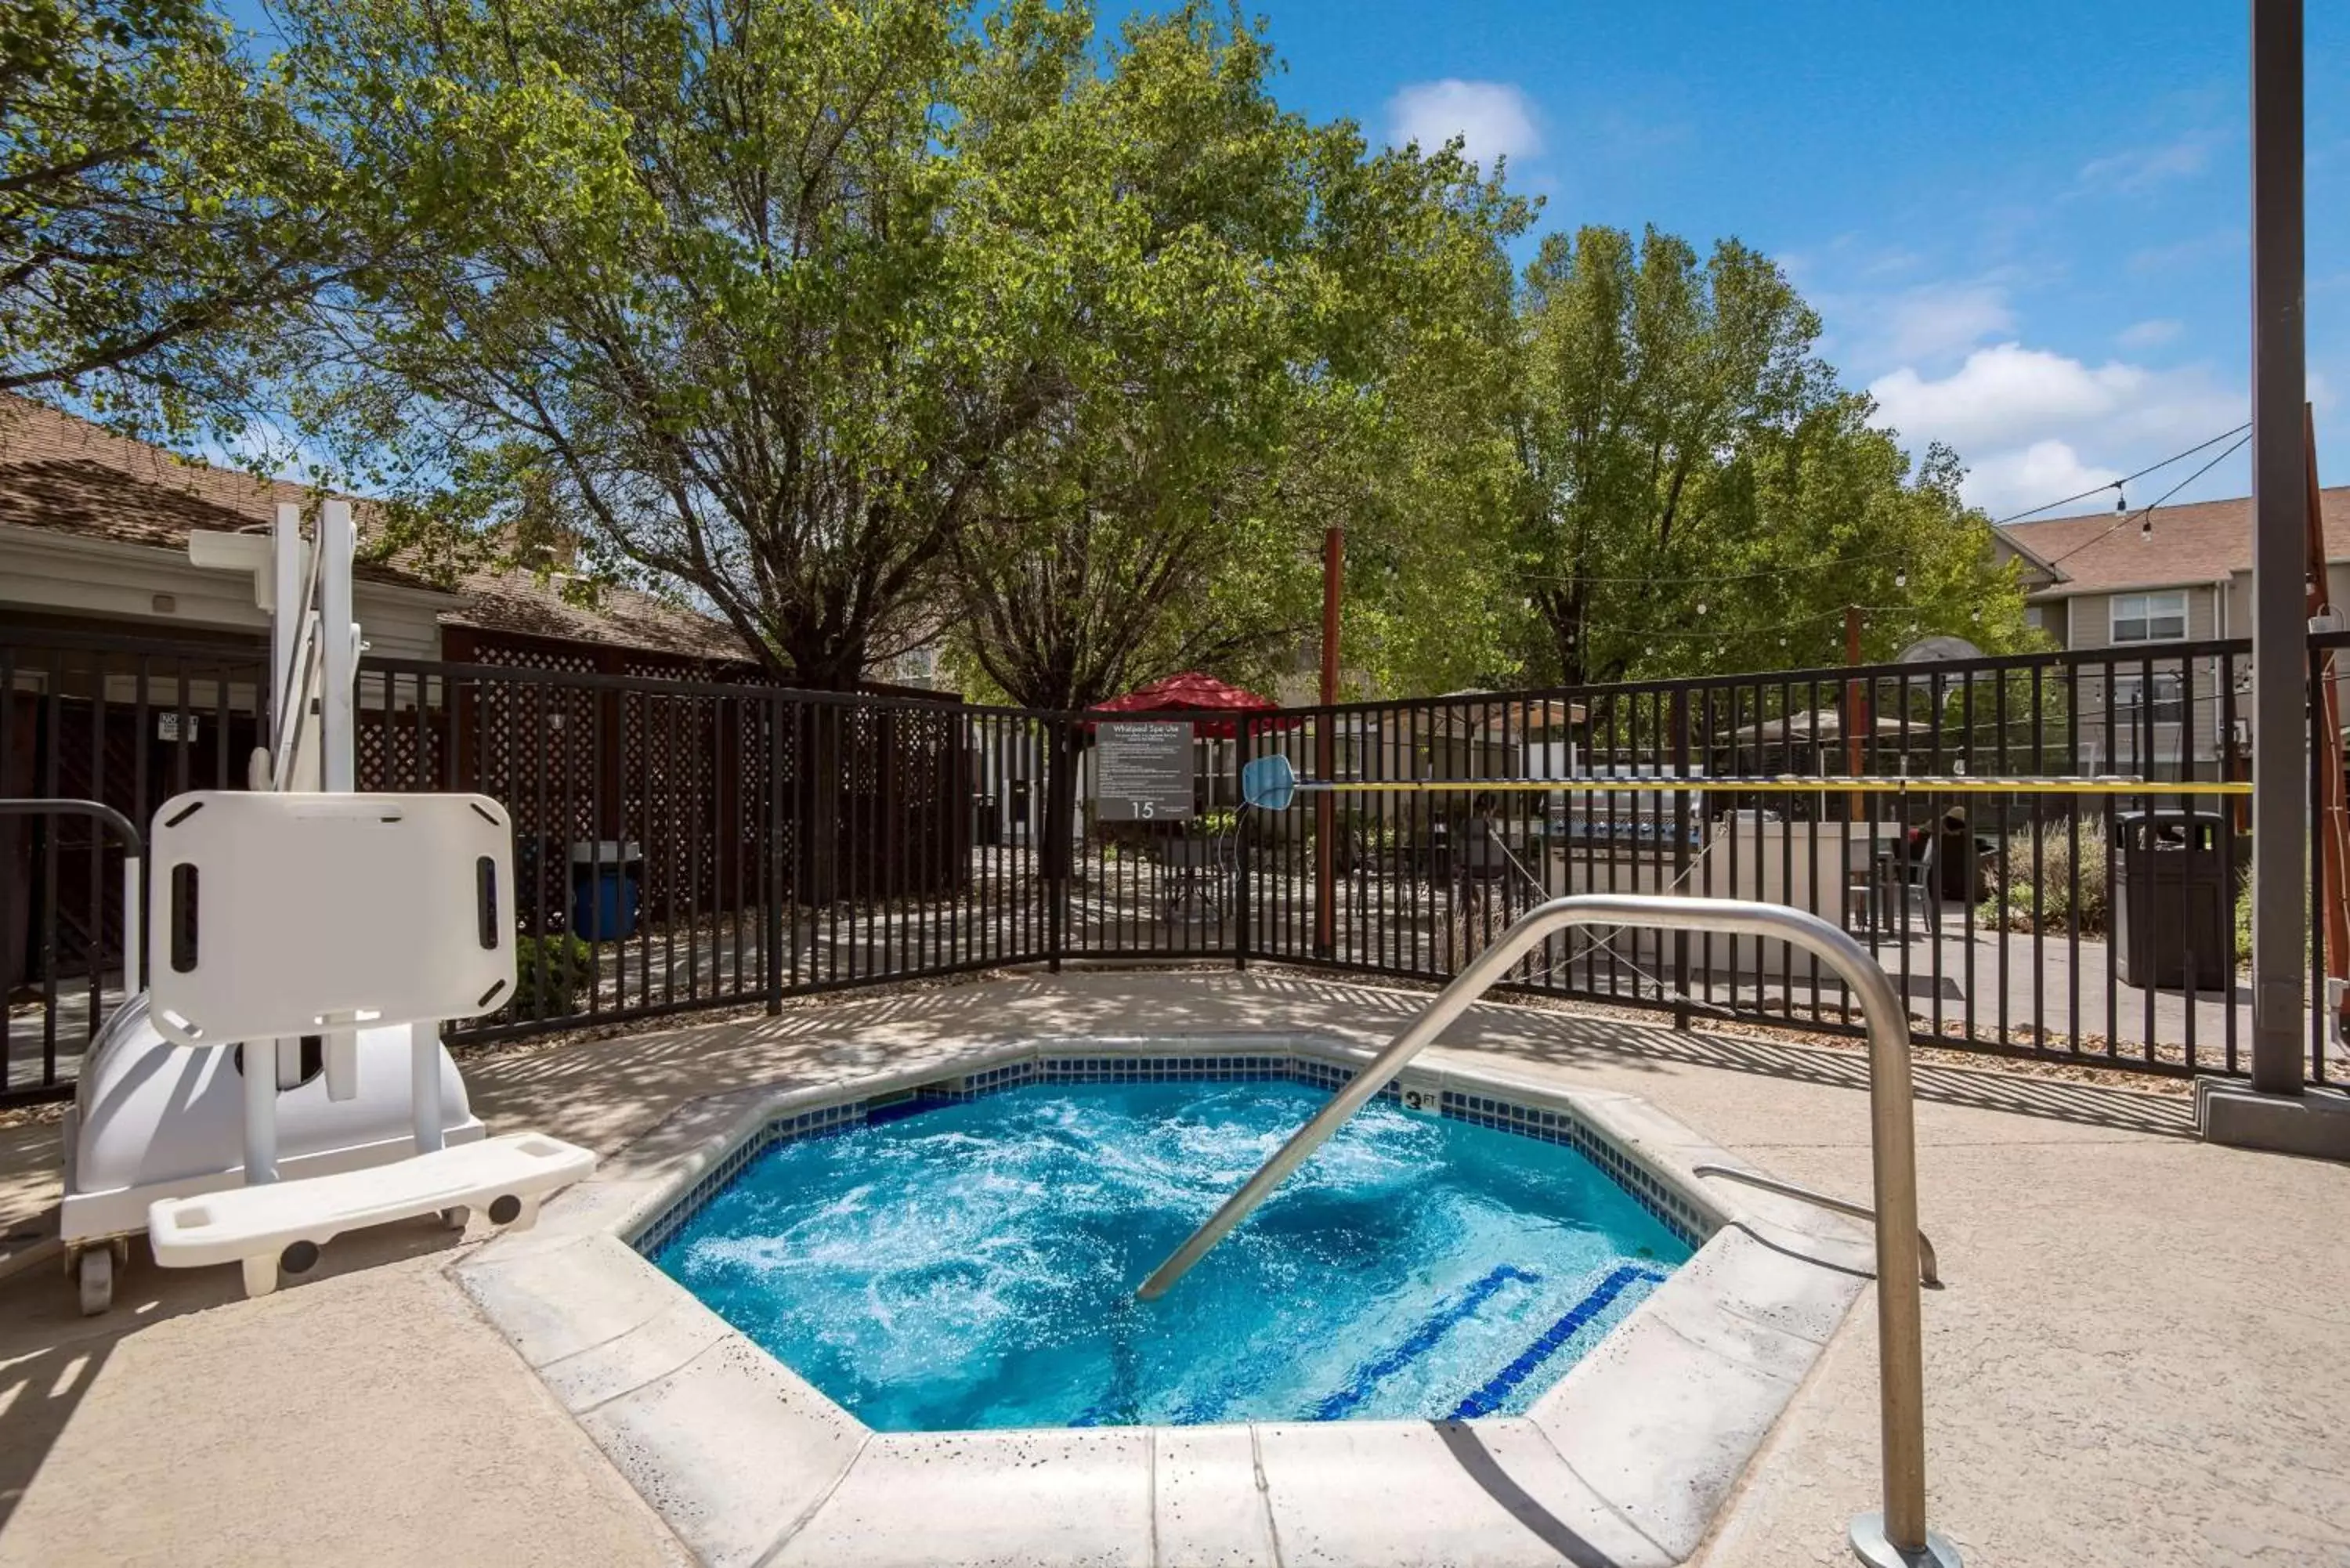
{"x": 1053, "y": 1064}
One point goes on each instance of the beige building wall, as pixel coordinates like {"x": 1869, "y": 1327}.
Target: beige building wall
{"x": 2115, "y": 740}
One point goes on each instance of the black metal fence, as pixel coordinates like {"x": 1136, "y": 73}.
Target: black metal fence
{"x": 128, "y": 725}
{"x": 2092, "y": 925}
{"x": 683, "y": 845}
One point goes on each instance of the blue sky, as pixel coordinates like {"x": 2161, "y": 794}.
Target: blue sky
{"x": 2024, "y": 225}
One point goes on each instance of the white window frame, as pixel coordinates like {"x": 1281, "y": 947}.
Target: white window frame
{"x": 2145, "y": 611}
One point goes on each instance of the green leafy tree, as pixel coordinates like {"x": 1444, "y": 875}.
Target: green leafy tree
{"x": 734, "y": 282}
{"x": 1700, "y": 493}
{"x": 1270, "y": 309}
{"x": 1107, "y": 538}
{"x": 1419, "y": 468}
{"x": 162, "y": 207}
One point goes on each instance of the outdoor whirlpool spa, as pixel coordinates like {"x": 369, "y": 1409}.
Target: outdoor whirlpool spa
{"x": 894, "y": 1319}
{"x": 954, "y": 1263}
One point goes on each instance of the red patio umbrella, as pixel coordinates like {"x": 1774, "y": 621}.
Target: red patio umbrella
{"x": 1192, "y": 693}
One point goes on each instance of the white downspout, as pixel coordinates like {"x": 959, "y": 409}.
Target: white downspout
{"x": 287, "y": 576}
{"x": 284, "y": 612}
{"x": 338, "y": 649}
{"x": 339, "y": 637}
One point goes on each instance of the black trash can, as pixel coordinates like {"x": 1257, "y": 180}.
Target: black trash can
{"x": 986, "y": 820}
{"x": 2175, "y": 900}
{"x": 1483, "y": 854}
{"x": 1017, "y": 819}
{"x": 1958, "y": 859}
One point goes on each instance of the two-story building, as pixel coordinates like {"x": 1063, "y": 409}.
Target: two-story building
{"x": 2123, "y": 582}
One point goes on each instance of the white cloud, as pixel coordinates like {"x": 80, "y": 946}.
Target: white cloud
{"x": 2020, "y": 417}
{"x": 2011, "y": 481}
{"x": 2138, "y": 168}
{"x": 2147, "y": 333}
{"x": 2180, "y": 254}
{"x": 1886, "y": 264}
{"x": 1926, "y": 325}
{"x": 2001, "y": 394}
{"x": 2008, "y": 395}
{"x": 1936, "y": 318}
{"x": 1495, "y": 119}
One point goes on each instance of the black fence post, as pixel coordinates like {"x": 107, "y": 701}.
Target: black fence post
{"x": 777, "y": 859}
{"x": 1245, "y": 735}
{"x": 1058, "y": 850}
{"x": 1681, "y": 838}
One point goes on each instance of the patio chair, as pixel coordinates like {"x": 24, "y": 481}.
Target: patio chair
{"x": 1191, "y": 877}
{"x": 1915, "y": 879}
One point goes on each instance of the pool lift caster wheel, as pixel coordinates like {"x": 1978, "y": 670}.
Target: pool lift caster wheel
{"x": 262, "y": 1273}
{"x": 456, "y": 1218}
{"x": 509, "y": 1212}
{"x": 94, "y": 1268}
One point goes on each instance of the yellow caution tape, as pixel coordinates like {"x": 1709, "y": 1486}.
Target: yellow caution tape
{"x": 1792, "y": 783}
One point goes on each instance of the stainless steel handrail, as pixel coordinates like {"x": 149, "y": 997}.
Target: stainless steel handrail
{"x": 1929, "y": 1271}
{"x": 1897, "y": 1535}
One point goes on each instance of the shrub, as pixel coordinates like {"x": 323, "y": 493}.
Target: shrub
{"x": 2244, "y": 922}
{"x": 552, "y": 974}
{"x": 2018, "y": 883}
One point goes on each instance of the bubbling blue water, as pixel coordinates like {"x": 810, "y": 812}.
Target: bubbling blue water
{"x": 974, "y": 1266}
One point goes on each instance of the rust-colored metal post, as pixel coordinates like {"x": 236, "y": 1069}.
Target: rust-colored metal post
{"x": 2332, "y": 807}
{"x": 1855, "y": 711}
{"x": 1326, "y": 747}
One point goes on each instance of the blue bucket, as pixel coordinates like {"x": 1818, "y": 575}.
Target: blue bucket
{"x": 604, "y": 903}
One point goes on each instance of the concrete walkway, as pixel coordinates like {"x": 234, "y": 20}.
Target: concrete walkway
{"x": 2136, "y": 1360}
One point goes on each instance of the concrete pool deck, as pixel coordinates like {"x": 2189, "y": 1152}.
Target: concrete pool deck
{"x": 2137, "y": 1357}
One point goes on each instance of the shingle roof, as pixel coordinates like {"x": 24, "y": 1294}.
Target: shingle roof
{"x": 64, "y": 473}
{"x": 2196, "y": 543}
{"x": 521, "y": 601}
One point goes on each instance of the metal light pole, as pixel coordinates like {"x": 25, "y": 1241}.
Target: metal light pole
{"x": 2279, "y": 501}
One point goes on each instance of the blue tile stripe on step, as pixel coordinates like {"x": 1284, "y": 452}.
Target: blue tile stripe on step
{"x": 1497, "y": 1390}
{"x": 1420, "y": 1341}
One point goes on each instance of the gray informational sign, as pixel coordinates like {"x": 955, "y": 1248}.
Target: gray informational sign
{"x": 1142, "y": 771}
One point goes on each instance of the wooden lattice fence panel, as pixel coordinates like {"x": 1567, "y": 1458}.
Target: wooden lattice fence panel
{"x": 533, "y": 747}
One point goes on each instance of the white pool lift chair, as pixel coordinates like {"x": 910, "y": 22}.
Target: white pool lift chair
{"x": 280, "y": 1080}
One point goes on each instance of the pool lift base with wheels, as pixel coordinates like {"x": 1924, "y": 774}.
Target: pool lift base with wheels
{"x": 280, "y": 1078}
